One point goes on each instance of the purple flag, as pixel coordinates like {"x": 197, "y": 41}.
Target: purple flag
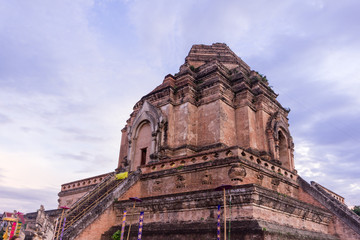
{"x": 141, "y": 220}
{"x": 123, "y": 226}
{"x": 218, "y": 223}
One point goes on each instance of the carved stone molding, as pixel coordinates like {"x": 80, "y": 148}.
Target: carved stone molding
{"x": 260, "y": 176}
{"x": 237, "y": 172}
{"x": 206, "y": 178}
{"x": 157, "y": 185}
{"x": 180, "y": 181}
{"x": 275, "y": 182}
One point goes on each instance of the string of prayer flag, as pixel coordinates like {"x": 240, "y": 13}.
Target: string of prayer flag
{"x": 62, "y": 231}
{"x": 123, "y": 226}
{"x": 218, "y": 223}
{"x": 141, "y": 220}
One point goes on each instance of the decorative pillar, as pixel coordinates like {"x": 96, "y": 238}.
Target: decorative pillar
{"x": 277, "y": 155}
{"x": 153, "y": 142}
{"x": 129, "y": 155}
{"x": 271, "y": 142}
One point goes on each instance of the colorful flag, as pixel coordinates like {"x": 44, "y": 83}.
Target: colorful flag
{"x": 62, "y": 231}
{"x": 218, "y": 223}
{"x": 141, "y": 220}
{"x": 6, "y": 234}
{"x": 18, "y": 228}
{"x": 13, "y": 228}
{"x": 123, "y": 226}
{"x": 120, "y": 176}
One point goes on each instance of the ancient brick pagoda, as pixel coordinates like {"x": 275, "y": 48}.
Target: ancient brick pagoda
{"x": 216, "y": 122}
{"x": 214, "y": 105}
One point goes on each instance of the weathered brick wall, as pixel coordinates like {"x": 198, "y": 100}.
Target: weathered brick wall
{"x": 343, "y": 230}
{"x": 346, "y": 224}
{"x": 134, "y": 191}
{"x": 210, "y": 174}
{"x": 69, "y": 200}
{"x": 306, "y": 197}
{"x": 208, "y": 124}
{"x": 99, "y": 226}
{"x": 255, "y": 212}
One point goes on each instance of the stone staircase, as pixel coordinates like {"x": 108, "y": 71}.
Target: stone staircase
{"x": 93, "y": 204}
{"x": 336, "y": 207}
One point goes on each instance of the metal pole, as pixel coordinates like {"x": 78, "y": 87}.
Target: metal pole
{"x": 55, "y": 229}
{"x": 224, "y": 215}
{"x": 123, "y": 226}
{"x": 62, "y": 231}
{"x": 218, "y": 223}
{"x": 130, "y": 223}
{"x": 59, "y": 224}
{"x": 230, "y": 215}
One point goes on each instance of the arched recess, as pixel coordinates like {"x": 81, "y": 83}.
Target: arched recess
{"x": 142, "y": 144}
{"x": 281, "y": 146}
{"x": 283, "y": 150}
{"x": 144, "y": 136}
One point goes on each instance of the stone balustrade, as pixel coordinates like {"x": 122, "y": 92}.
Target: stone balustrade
{"x": 83, "y": 182}
{"x": 213, "y": 156}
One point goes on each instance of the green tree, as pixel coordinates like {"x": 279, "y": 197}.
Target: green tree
{"x": 116, "y": 235}
{"x": 356, "y": 210}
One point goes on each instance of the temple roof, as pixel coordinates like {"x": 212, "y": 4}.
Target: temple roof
{"x": 202, "y": 54}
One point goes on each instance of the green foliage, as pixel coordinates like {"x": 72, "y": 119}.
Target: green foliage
{"x": 281, "y": 194}
{"x": 180, "y": 167}
{"x": 116, "y": 235}
{"x": 263, "y": 78}
{"x": 192, "y": 68}
{"x": 175, "y": 89}
{"x": 264, "y": 229}
{"x": 356, "y": 210}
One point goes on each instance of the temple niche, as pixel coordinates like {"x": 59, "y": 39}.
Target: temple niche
{"x": 144, "y": 137}
{"x": 280, "y": 141}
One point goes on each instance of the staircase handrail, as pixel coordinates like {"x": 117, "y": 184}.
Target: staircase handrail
{"x": 90, "y": 193}
{"x": 81, "y": 200}
{"x": 104, "y": 180}
{"x": 107, "y": 196}
{"x": 90, "y": 207}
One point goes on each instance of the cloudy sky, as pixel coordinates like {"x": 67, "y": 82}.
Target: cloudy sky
{"x": 71, "y": 71}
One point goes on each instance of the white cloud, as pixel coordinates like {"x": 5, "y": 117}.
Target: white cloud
{"x": 307, "y": 164}
{"x": 354, "y": 187}
{"x": 72, "y": 70}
